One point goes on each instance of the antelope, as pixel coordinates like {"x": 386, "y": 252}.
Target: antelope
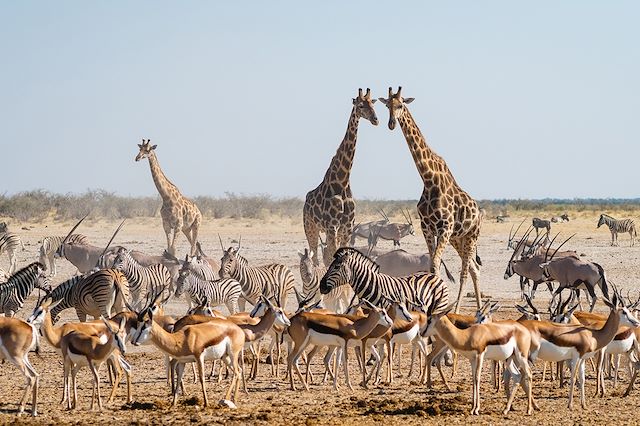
{"x": 577, "y": 343}
{"x": 528, "y": 268}
{"x": 362, "y": 230}
{"x": 391, "y": 231}
{"x": 400, "y": 263}
{"x": 17, "y": 339}
{"x": 531, "y": 245}
{"x": 330, "y": 330}
{"x": 501, "y": 341}
{"x": 80, "y": 349}
{"x": 216, "y": 339}
{"x": 41, "y": 317}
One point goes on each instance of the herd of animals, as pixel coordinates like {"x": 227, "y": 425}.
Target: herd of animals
{"x": 362, "y": 298}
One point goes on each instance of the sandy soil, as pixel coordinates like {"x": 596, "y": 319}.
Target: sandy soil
{"x": 270, "y": 400}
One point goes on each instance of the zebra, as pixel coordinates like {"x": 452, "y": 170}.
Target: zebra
{"x": 618, "y": 225}
{"x": 50, "y": 246}
{"x": 538, "y": 224}
{"x": 102, "y": 293}
{"x": 141, "y": 278}
{"x": 215, "y": 292}
{"x": 10, "y": 243}
{"x": 274, "y": 280}
{"x": 337, "y": 299}
{"x": 15, "y": 291}
{"x": 351, "y": 266}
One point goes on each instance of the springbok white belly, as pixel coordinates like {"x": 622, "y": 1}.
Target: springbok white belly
{"x": 501, "y": 352}
{"x": 620, "y": 346}
{"x": 406, "y": 337}
{"x": 554, "y": 353}
{"x": 322, "y": 339}
{"x": 218, "y": 350}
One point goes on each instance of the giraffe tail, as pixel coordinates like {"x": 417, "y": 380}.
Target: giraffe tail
{"x": 478, "y": 260}
{"x": 446, "y": 271}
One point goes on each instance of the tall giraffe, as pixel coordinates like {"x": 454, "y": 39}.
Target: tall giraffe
{"x": 330, "y": 208}
{"x": 178, "y": 212}
{"x": 447, "y": 213}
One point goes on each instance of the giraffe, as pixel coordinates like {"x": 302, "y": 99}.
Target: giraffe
{"x": 447, "y": 213}
{"x": 178, "y": 213}
{"x": 330, "y": 208}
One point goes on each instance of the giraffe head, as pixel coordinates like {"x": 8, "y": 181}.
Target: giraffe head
{"x": 145, "y": 149}
{"x": 396, "y": 104}
{"x": 364, "y": 107}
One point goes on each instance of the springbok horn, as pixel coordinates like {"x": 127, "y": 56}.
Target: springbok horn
{"x": 112, "y": 237}
{"x": 74, "y": 228}
{"x": 239, "y": 243}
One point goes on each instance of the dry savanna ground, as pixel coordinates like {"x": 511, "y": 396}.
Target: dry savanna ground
{"x": 269, "y": 399}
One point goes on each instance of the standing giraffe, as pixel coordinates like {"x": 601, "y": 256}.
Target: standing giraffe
{"x": 178, "y": 213}
{"x": 447, "y": 213}
{"x": 330, "y": 208}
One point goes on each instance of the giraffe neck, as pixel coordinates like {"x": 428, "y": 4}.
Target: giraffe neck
{"x": 163, "y": 184}
{"x": 340, "y": 168}
{"x": 429, "y": 163}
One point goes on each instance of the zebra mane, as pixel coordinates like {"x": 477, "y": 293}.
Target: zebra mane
{"x": 606, "y": 215}
{"x": 343, "y": 251}
{"x": 29, "y": 269}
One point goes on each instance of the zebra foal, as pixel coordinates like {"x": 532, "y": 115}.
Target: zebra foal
{"x": 213, "y": 292}
{"x": 20, "y": 285}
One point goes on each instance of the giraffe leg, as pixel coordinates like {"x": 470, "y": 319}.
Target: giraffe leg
{"x": 312, "y": 233}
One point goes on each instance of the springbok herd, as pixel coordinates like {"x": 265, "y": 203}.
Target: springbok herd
{"x": 363, "y": 298}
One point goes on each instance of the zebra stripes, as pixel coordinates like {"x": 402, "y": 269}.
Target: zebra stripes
{"x": 96, "y": 294}
{"x": 15, "y": 291}
{"x": 618, "y": 226}
{"x": 273, "y": 281}
{"x": 10, "y": 243}
{"x": 225, "y": 291}
{"x": 337, "y": 299}
{"x": 141, "y": 278}
{"x": 50, "y": 246}
{"x": 352, "y": 267}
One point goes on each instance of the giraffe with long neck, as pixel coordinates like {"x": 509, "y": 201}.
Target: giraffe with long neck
{"x": 178, "y": 212}
{"x": 329, "y": 208}
{"x": 447, "y": 213}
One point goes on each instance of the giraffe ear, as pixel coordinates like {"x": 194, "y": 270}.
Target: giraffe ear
{"x": 353, "y": 100}
{"x": 373, "y": 101}
{"x": 140, "y": 145}
{"x": 155, "y": 146}
{"x": 408, "y": 100}
{"x": 384, "y": 101}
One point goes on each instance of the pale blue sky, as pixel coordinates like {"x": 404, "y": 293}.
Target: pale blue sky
{"x": 523, "y": 100}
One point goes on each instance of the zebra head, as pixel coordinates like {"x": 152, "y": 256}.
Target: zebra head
{"x": 396, "y": 104}
{"x": 145, "y": 149}
{"x": 43, "y": 282}
{"x": 307, "y": 267}
{"x": 339, "y": 272}
{"x": 183, "y": 274}
{"x": 601, "y": 221}
{"x": 363, "y": 104}
{"x": 229, "y": 262}
{"x": 123, "y": 257}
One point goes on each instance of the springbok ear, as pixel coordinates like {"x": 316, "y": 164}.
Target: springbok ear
{"x": 408, "y": 100}
{"x": 107, "y": 324}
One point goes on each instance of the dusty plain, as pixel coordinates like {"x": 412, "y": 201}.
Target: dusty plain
{"x": 269, "y": 400}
